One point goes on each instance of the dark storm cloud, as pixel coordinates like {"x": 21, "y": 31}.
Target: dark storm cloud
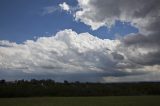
{"x": 141, "y": 48}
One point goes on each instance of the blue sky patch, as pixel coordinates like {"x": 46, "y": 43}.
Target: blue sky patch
{"x": 23, "y": 19}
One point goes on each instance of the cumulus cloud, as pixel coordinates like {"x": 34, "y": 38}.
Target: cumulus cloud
{"x": 67, "y": 51}
{"x": 82, "y": 56}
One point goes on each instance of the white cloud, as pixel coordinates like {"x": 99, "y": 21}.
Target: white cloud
{"x": 68, "y": 53}
{"x": 64, "y": 6}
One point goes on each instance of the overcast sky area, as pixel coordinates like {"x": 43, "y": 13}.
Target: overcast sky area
{"x": 80, "y": 40}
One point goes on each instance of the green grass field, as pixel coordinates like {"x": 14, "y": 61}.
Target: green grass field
{"x": 83, "y": 101}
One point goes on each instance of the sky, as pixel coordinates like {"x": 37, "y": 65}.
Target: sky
{"x": 80, "y": 40}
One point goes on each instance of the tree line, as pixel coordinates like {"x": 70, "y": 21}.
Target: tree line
{"x": 34, "y": 88}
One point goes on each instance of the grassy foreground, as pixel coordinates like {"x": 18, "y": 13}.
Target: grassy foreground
{"x": 83, "y": 101}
